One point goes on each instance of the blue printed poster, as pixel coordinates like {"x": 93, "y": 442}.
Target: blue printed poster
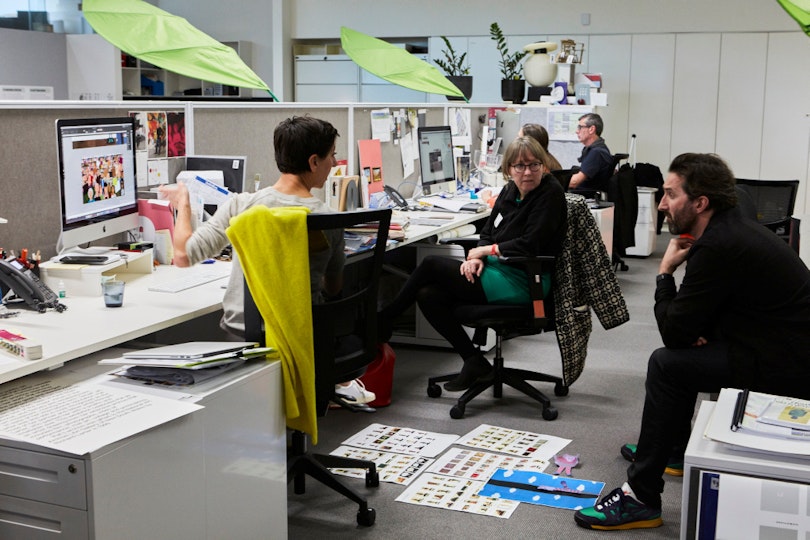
{"x": 542, "y": 488}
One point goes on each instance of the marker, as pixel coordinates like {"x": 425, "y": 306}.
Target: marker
{"x": 687, "y": 236}
{"x": 208, "y": 261}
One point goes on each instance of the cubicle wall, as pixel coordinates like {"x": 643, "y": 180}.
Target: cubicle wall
{"x": 29, "y": 199}
{"x": 29, "y": 187}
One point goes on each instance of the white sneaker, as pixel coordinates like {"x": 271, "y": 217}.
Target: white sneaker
{"x": 355, "y": 393}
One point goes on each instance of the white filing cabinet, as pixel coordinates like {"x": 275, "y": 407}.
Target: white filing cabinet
{"x": 707, "y": 456}
{"x": 645, "y": 223}
{"x": 219, "y": 472}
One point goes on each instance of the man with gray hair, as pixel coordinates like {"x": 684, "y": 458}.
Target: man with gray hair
{"x": 596, "y": 161}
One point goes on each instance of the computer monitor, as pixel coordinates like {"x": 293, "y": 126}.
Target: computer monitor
{"x": 232, "y": 167}
{"x": 97, "y": 181}
{"x": 437, "y": 164}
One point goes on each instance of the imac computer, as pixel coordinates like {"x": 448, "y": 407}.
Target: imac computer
{"x": 436, "y": 161}
{"x": 96, "y": 179}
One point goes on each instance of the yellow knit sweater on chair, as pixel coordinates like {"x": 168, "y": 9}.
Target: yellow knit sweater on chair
{"x": 273, "y": 250}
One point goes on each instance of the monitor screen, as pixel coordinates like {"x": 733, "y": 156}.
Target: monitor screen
{"x": 232, "y": 167}
{"x": 437, "y": 164}
{"x": 97, "y": 183}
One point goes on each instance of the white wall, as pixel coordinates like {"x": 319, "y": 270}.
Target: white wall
{"x": 397, "y": 18}
{"x": 725, "y": 76}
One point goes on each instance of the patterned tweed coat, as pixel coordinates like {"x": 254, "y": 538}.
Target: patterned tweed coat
{"x": 585, "y": 280}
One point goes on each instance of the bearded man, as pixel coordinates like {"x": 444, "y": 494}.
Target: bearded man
{"x": 741, "y": 318}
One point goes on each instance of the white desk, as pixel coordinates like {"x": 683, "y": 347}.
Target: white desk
{"x": 218, "y": 470}
{"x": 418, "y": 233}
{"x": 88, "y": 326}
{"x": 703, "y": 454}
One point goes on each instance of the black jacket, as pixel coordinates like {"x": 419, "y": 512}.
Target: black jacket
{"x": 745, "y": 286}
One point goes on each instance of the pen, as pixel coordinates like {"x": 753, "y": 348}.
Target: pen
{"x": 739, "y": 410}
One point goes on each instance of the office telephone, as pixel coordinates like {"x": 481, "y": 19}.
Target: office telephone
{"x": 16, "y": 278}
{"x": 396, "y": 197}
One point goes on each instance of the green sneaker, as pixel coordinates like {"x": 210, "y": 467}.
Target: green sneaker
{"x": 618, "y": 511}
{"x": 674, "y": 467}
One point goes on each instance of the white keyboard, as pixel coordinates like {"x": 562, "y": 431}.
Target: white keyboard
{"x": 194, "y": 279}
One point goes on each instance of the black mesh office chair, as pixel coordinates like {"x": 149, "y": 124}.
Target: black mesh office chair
{"x": 345, "y": 342}
{"x": 774, "y": 201}
{"x": 508, "y": 321}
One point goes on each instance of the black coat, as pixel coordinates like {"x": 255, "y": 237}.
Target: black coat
{"x": 745, "y": 286}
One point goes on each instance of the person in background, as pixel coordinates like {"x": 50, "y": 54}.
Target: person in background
{"x": 305, "y": 154}
{"x": 539, "y": 134}
{"x": 596, "y": 161}
{"x": 528, "y": 219}
{"x": 741, "y": 318}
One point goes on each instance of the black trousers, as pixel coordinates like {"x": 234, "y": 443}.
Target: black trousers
{"x": 438, "y": 287}
{"x": 674, "y": 379}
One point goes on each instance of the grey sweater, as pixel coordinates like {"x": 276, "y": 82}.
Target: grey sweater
{"x": 209, "y": 239}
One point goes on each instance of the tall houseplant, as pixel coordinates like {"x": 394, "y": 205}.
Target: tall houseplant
{"x": 455, "y": 69}
{"x": 513, "y": 87}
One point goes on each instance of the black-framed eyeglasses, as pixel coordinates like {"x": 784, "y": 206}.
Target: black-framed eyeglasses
{"x": 520, "y": 167}
{"x": 580, "y": 126}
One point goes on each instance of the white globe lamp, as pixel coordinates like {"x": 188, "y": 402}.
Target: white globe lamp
{"x": 537, "y": 68}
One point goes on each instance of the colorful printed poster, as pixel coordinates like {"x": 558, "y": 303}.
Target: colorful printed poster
{"x": 394, "y": 468}
{"x": 457, "y": 494}
{"x": 510, "y": 441}
{"x": 401, "y": 440}
{"x": 543, "y": 489}
{"x": 478, "y": 465}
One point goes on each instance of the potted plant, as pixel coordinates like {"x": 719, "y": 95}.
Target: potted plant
{"x": 513, "y": 87}
{"x": 456, "y": 70}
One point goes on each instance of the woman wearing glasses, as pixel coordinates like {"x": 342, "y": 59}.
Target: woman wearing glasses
{"x": 528, "y": 219}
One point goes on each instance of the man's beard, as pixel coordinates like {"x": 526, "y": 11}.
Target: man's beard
{"x": 682, "y": 225}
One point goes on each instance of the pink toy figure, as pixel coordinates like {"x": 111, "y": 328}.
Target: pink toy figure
{"x": 565, "y": 462}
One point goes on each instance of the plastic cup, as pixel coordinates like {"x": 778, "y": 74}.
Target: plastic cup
{"x": 113, "y": 292}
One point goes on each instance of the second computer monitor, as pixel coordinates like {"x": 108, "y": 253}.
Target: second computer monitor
{"x": 436, "y": 161}
{"x": 232, "y": 167}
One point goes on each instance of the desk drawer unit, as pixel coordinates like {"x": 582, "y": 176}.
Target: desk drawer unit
{"x": 42, "y": 495}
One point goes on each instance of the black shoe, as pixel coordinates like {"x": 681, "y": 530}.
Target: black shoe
{"x": 674, "y": 465}
{"x": 472, "y": 371}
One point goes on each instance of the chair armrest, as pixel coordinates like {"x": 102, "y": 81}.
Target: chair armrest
{"x": 466, "y": 242}
{"x": 534, "y": 267}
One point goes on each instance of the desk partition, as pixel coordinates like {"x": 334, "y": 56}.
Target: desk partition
{"x": 30, "y": 198}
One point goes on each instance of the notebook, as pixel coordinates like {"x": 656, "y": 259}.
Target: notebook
{"x": 192, "y": 349}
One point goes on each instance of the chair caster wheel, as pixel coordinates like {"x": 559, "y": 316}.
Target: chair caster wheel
{"x": 434, "y": 390}
{"x": 549, "y": 413}
{"x": 372, "y": 480}
{"x": 366, "y": 518}
{"x": 560, "y": 390}
{"x": 456, "y": 412}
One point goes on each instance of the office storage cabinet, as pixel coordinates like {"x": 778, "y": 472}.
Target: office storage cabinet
{"x": 140, "y": 78}
{"x": 646, "y": 223}
{"x": 707, "y": 456}
{"x": 334, "y": 78}
{"x": 219, "y": 472}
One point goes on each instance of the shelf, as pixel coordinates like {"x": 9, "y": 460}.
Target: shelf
{"x": 141, "y": 79}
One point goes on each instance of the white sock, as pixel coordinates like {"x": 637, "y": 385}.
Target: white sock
{"x": 628, "y": 490}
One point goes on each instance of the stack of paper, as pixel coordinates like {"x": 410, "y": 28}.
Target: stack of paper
{"x": 754, "y": 434}
{"x": 192, "y": 355}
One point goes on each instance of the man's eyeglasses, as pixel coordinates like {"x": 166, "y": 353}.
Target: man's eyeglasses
{"x": 534, "y": 167}
{"x": 580, "y": 126}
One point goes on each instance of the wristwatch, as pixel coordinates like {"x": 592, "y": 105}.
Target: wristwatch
{"x": 661, "y": 277}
